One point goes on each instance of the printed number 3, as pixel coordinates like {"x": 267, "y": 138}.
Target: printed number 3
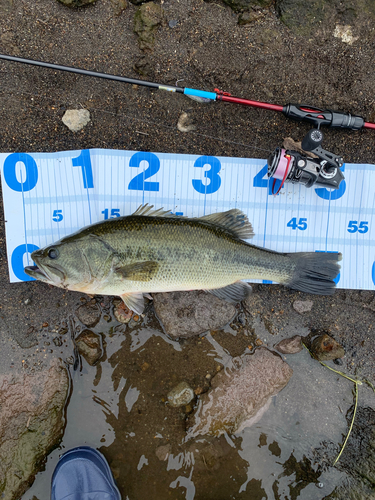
{"x": 302, "y": 223}
{"x": 212, "y": 175}
{"x": 353, "y": 227}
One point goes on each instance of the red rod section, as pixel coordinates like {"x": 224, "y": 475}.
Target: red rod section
{"x": 369, "y": 125}
{"x": 247, "y": 102}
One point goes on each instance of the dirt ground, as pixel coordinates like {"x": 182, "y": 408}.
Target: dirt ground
{"x": 207, "y": 48}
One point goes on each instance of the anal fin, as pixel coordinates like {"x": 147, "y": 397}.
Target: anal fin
{"x": 134, "y": 301}
{"x": 236, "y": 292}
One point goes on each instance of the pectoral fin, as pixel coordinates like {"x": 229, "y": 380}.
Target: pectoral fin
{"x": 139, "y": 271}
{"x": 134, "y": 301}
{"x": 233, "y": 293}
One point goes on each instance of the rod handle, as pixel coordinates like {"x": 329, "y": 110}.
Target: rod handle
{"x": 332, "y": 119}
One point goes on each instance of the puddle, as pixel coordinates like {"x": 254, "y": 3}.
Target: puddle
{"x": 119, "y": 407}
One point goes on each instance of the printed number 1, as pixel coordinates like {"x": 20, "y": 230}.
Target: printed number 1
{"x": 84, "y": 161}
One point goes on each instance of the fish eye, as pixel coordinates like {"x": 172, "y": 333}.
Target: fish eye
{"x": 53, "y": 253}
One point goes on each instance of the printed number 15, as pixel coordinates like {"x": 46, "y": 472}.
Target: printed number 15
{"x": 115, "y": 212}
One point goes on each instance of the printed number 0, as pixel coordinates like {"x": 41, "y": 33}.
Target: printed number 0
{"x": 17, "y": 261}
{"x": 212, "y": 175}
{"x": 10, "y": 172}
{"x": 138, "y": 183}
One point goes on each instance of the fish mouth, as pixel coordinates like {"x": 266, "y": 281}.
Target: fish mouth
{"x": 37, "y": 273}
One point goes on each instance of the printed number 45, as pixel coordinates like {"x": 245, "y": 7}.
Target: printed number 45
{"x": 302, "y": 223}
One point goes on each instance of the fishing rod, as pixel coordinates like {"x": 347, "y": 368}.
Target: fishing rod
{"x": 316, "y": 116}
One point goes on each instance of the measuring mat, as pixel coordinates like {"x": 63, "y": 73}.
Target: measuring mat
{"x": 50, "y": 195}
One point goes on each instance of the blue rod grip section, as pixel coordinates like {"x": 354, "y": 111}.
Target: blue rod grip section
{"x": 200, "y": 93}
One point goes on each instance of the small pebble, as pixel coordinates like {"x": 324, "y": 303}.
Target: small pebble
{"x": 45, "y": 325}
{"x": 181, "y": 395}
{"x": 173, "y": 23}
{"x": 302, "y": 306}
{"x": 27, "y": 302}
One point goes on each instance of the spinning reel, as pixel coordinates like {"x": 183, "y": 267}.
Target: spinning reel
{"x": 293, "y": 166}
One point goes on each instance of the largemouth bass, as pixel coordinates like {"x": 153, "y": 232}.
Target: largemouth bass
{"x": 156, "y": 251}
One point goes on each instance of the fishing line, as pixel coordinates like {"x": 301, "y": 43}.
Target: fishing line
{"x": 142, "y": 120}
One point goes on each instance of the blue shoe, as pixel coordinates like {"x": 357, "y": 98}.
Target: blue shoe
{"x": 83, "y": 474}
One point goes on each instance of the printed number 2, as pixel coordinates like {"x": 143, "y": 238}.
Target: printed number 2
{"x": 212, "y": 175}
{"x": 138, "y": 183}
{"x": 302, "y": 223}
{"x": 353, "y": 227}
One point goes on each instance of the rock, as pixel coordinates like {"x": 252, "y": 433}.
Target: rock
{"x": 89, "y": 346}
{"x": 31, "y": 424}
{"x": 185, "y": 123}
{"x": 290, "y": 346}
{"x": 301, "y": 16}
{"x": 185, "y": 314}
{"x": 74, "y": 4}
{"x": 241, "y": 5}
{"x": 76, "y": 119}
{"x": 345, "y": 34}
{"x": 240, "y": 393}
{"x": 146, "y": 20}
{"x": 122, "y": 313}
{"x": 162, "y": 452}
{"x": 180, "y": 395}
{"x": 325, "y": 348}
{"x": 89, "y": 314}
{"x": 144, "y": 67}
{"x": 249, "y": 17}
{"x": 173, "y": 23}
{"x": 302, "y": 306}
{"x": 119, "y": 6}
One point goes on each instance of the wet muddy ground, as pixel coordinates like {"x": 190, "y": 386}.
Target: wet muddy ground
{"x": 119, "y": 405}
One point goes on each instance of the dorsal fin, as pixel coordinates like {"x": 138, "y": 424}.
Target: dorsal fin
{"x": 147, "y": 211}
{"x": 234, "y": 221}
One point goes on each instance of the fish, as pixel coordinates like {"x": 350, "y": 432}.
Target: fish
{"x": 156, "y": 251}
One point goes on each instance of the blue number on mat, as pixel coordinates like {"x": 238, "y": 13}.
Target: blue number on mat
{"x": 138, "y": 183}
{"x": 115, "y": 212}
{"x": 10, "y": 172}
{"x": 353, "y": 227}
{"x": 302, "y": 224}
{"x": 333, "y": 194}
{"x": 337, "y": 279}
{"x": 17, "y": 261}
{"x": 84, "y": 161}
{"x": 262, "y": 180}
{"x": 373, "y": 273}
{"x": 57, "y": 215}
{"x": 212, "y": 175}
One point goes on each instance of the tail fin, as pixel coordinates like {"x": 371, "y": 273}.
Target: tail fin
{"x": 314, "y": 272}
